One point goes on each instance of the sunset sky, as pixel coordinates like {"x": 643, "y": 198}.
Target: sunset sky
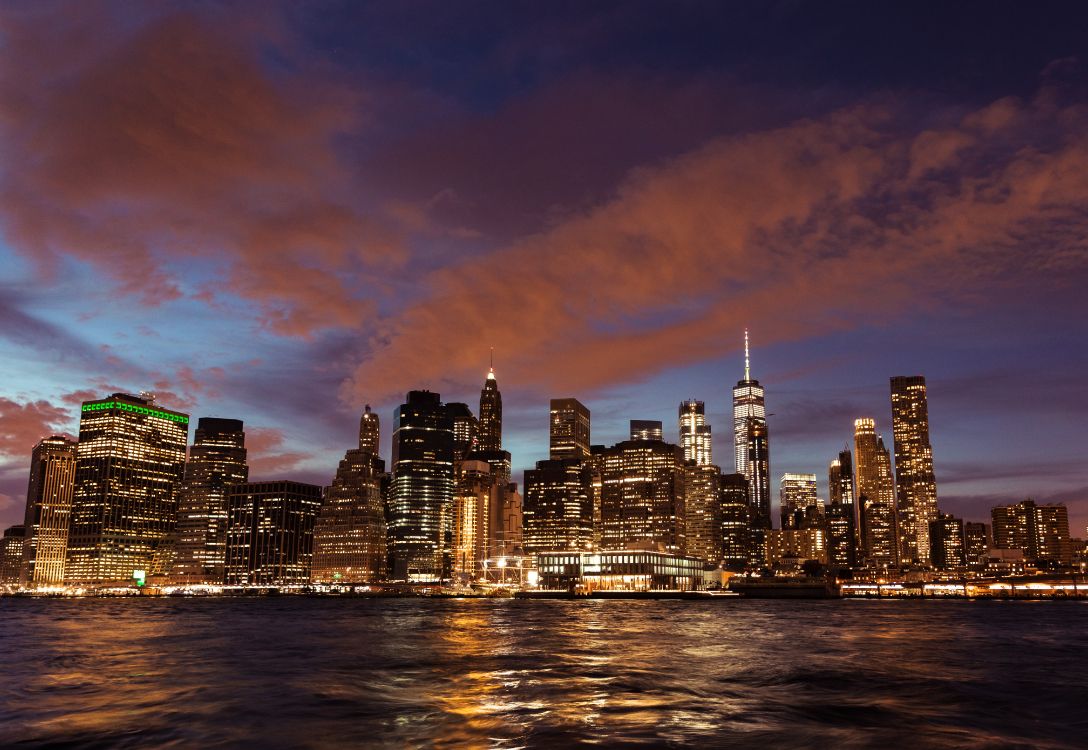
{"x": 279, "y": 213}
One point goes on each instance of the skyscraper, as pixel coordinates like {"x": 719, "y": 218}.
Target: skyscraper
{"x": 11, "y": 554}
{"x": 421, "y": 495}
{"x": 466, "y": 430}
{"x": 703, "y": 511}
{"x": 350, "y": 533}
{"x": 1040, "y": 531}
{"x": 270, "y": 533}
{"x": 48, "y": 511}
{"x": 558, "y": 506}
{"x": 217, "y": 461}
{"x": 695, "y": 437}
{"x": 798, "y": 500}
{"x": 642, "y": 495}
{"x": 490, "y": 437}
{"x": 471, "y": 519}
{"x": 752, "y": 445}
{"x": 129, "y": 466}
{"x": 915, "y": 484}
{"x": 947, "y": 550}
{"x": 568, "y": 435}
{"x": 646, "y": 429}
{"x": 876, "y": 495}
{"x": 842, "y": 535}
{"x": 735, "y": 511}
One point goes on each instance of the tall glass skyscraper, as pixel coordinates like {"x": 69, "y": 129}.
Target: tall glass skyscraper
{"x": 842, "y": 535}
{"x": 876, "y": 495}
{"x": 642, "y": 495}
{"x": 48, "y": 511}
{"x": 421, "y": 495}
{"x": 558, "y": 506}
{"x": 568, "y": 433}
{"x": 217, "y": 461}
{"x": 490, "y": 435}
{"x": 129, "y": 467}
{"x": 270, "y": 533}
{"x": 798, "y": 501}
{"x": 914, "y": 480}
{"x": 751, "y": 443}
{"x": 695, "y": 433}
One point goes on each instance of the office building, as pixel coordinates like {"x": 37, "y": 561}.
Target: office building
{"x": 350, "y": 533}
{"x": 947, "y": 550}
{"x": 915, "y": 484}
{"x": 11, "y": 555}
{"x": 646, "y": 429}
{"x": 466, "y": 430}
{"x": 1040, "y": 531}
{"x": 875, "y": 496}
{"x": 48, "y": 511}
{"x": 129, "y": 468}
{"x": 471, "y": 520}
{"x": 421, "y": 495}
{"x": 695, "y": 438}
{"x": 841, "y": 513}
{"x": 703, "y": 512}
{"x": 270, "y": 533}
{"x": 789, "y": 549}
{"x": 752, "y": 446}
{"x": 490, "y": 435}
{"x": 217, "y": 462}
{"x": 642, "y": 495}
{"x": 558, "y": 506}
{"x": 800, "y": 506}
{"x": 568, "y": 434}
{"x": 735, "y": 511}
{"x": 976, "y": 543}
{"x": 370, "y": 432}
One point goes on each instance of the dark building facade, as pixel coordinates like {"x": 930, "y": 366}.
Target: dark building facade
{"x": 642, "y": 496}
{"x": 558, "y": 506}
{"x": 129, "y": 467}
{"x": 48, "y": 511}
{"x": 270, "y": 533}
{"x": 11, "y": 555}
{"x": 842, "y": 534}
{"x": 568, "y": 431}
{"x": 490, "y": 438}
{"x": 217, "y": 462}
{"x": 736, "y": 524}
{"x": 421, "y": 494}
{"x": 946, "y": 543}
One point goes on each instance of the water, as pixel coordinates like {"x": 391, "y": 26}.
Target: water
{"x": 322, "y": 673}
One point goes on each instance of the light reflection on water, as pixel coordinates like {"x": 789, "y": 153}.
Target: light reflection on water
{"x": 324, "y": 673}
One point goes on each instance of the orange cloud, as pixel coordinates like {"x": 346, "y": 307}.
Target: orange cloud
{"x": 23, "y": 425}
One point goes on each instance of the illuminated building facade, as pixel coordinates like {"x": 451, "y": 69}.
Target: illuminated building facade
{"x": 217, "y": 461}
{"x": 11, "y": 555}
{"x": 48, "y": 511}
{"x": 841, "y": 513}
{"x": 792, "y": 547}
{"x": 466, "y": 430}
{"x": 734, "y": 510}
{"x": 976, "y": 543}
{"x": 270, "y": 533}
{"x": 702, "y": 512}
{"x": 568, "y": 433}
{"x": 759, "y": 490}
{"x": 946, "y": 549}
{"x": 421, "y": 495}
{"x": 129, "y": 467}
{"x": 490, "y": 435}
{"x": 1040, "y": 531}
{"x": 471, "y": 519}
{"x": 646, "y": 429}
{"x": 915, "y": 483}
{"x": 876, "y": 496}
{"x": 752, "y": 445}
{"x": 370, "y": 432}
{"x": 506, "y": 529}
{"x": 642, "y": 495}
{"x": 800, "y": 506}
{"x": 558, "y": 506}
{"x": 350, "y": 533}
{"x": 695, "y": 438}
{"x": 619, "y": 570}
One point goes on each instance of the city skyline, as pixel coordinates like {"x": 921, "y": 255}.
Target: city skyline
{"x": 364, "y": 225}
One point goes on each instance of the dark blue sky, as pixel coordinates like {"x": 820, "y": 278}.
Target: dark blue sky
{"x": 280, "y": 213}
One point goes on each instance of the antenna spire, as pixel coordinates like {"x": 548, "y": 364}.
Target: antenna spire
{"x": 491, "y": 372}
{"x": 747, "y": 364}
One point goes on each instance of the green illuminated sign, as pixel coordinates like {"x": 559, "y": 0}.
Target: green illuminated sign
{"x": 105, "y": 405}
{"x": 140, "y": 576}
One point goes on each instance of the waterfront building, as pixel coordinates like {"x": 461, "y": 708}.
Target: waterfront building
{"x": 646, "y": 569}
{"x": 490, "y": 435}
{"x": 752, "y": 446}
{"x": 800, "y": 506}
{"x": 350, "y": 532}
{"x": 217, "y": 461}
{"x": 647, "y": 429}
{"x": 791, "y": 548}
{"x": 915, "y": 484}
{"x": 976, "y": 543}
{"x": 1040, "y": 531}
{"x": 703, "y": 511}
{"x": 421, "y": 495}
{"x": 472, "y": 519}
{"x": 595, "y": 461}
{"x": 735, "y": 511}
{"x": 11, "y": 555}
{"x": 48, "y": 511}
{"x": 558, "y": 506}
{"x": 642, "y": 495}
{"x": 946, "y": 543}
{"x": 129, "y": 466}
{"x": 875, "y": 495}
{"x": 695, "y": 438}
{"x": 841, "y": 513}
{"x": 270, "y": 533}
{"x": 568, "y": 434}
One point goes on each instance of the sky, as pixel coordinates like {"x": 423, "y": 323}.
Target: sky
{"x": 282, "y": 212}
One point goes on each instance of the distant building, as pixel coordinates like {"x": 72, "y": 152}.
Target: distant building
{"x": 471, "y": 519}
{"x": 914, "y": 480}
{"x": 370, "y": 432}
{"x": 421, "y": 495}
{"x": 350, "y": 532}
{"x": 1040, "y": 531}
{"x": 752, "y": 446}
{"x": 976, "y": 543}
{"x": 466, "y": 430}
{"x": 841, "y": 513}
{"x": 642, "y": 495}
{"x": 695, "y": 437}
{"x": 796, "y": 545}
{"x": 947, "y": 550}
{"x": 647, "y": 429}
{"x": 735, "y": 511}
{"x": 129, "y": 467}
{"x": 876, "y": 496}
{"x": 759, "y": 490}
{"x": 568, "y": 435}
{"x": 490, "y": 437}
{"x": 703, "y": 511}
{"x": 800, "y": 506}
{"x": 559, "y": 506}
{"x": 217, "y": 462}
{"x": 11, "y": 555}
{"x": 48, "y": 511}
{"x": 270, "y": 533}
